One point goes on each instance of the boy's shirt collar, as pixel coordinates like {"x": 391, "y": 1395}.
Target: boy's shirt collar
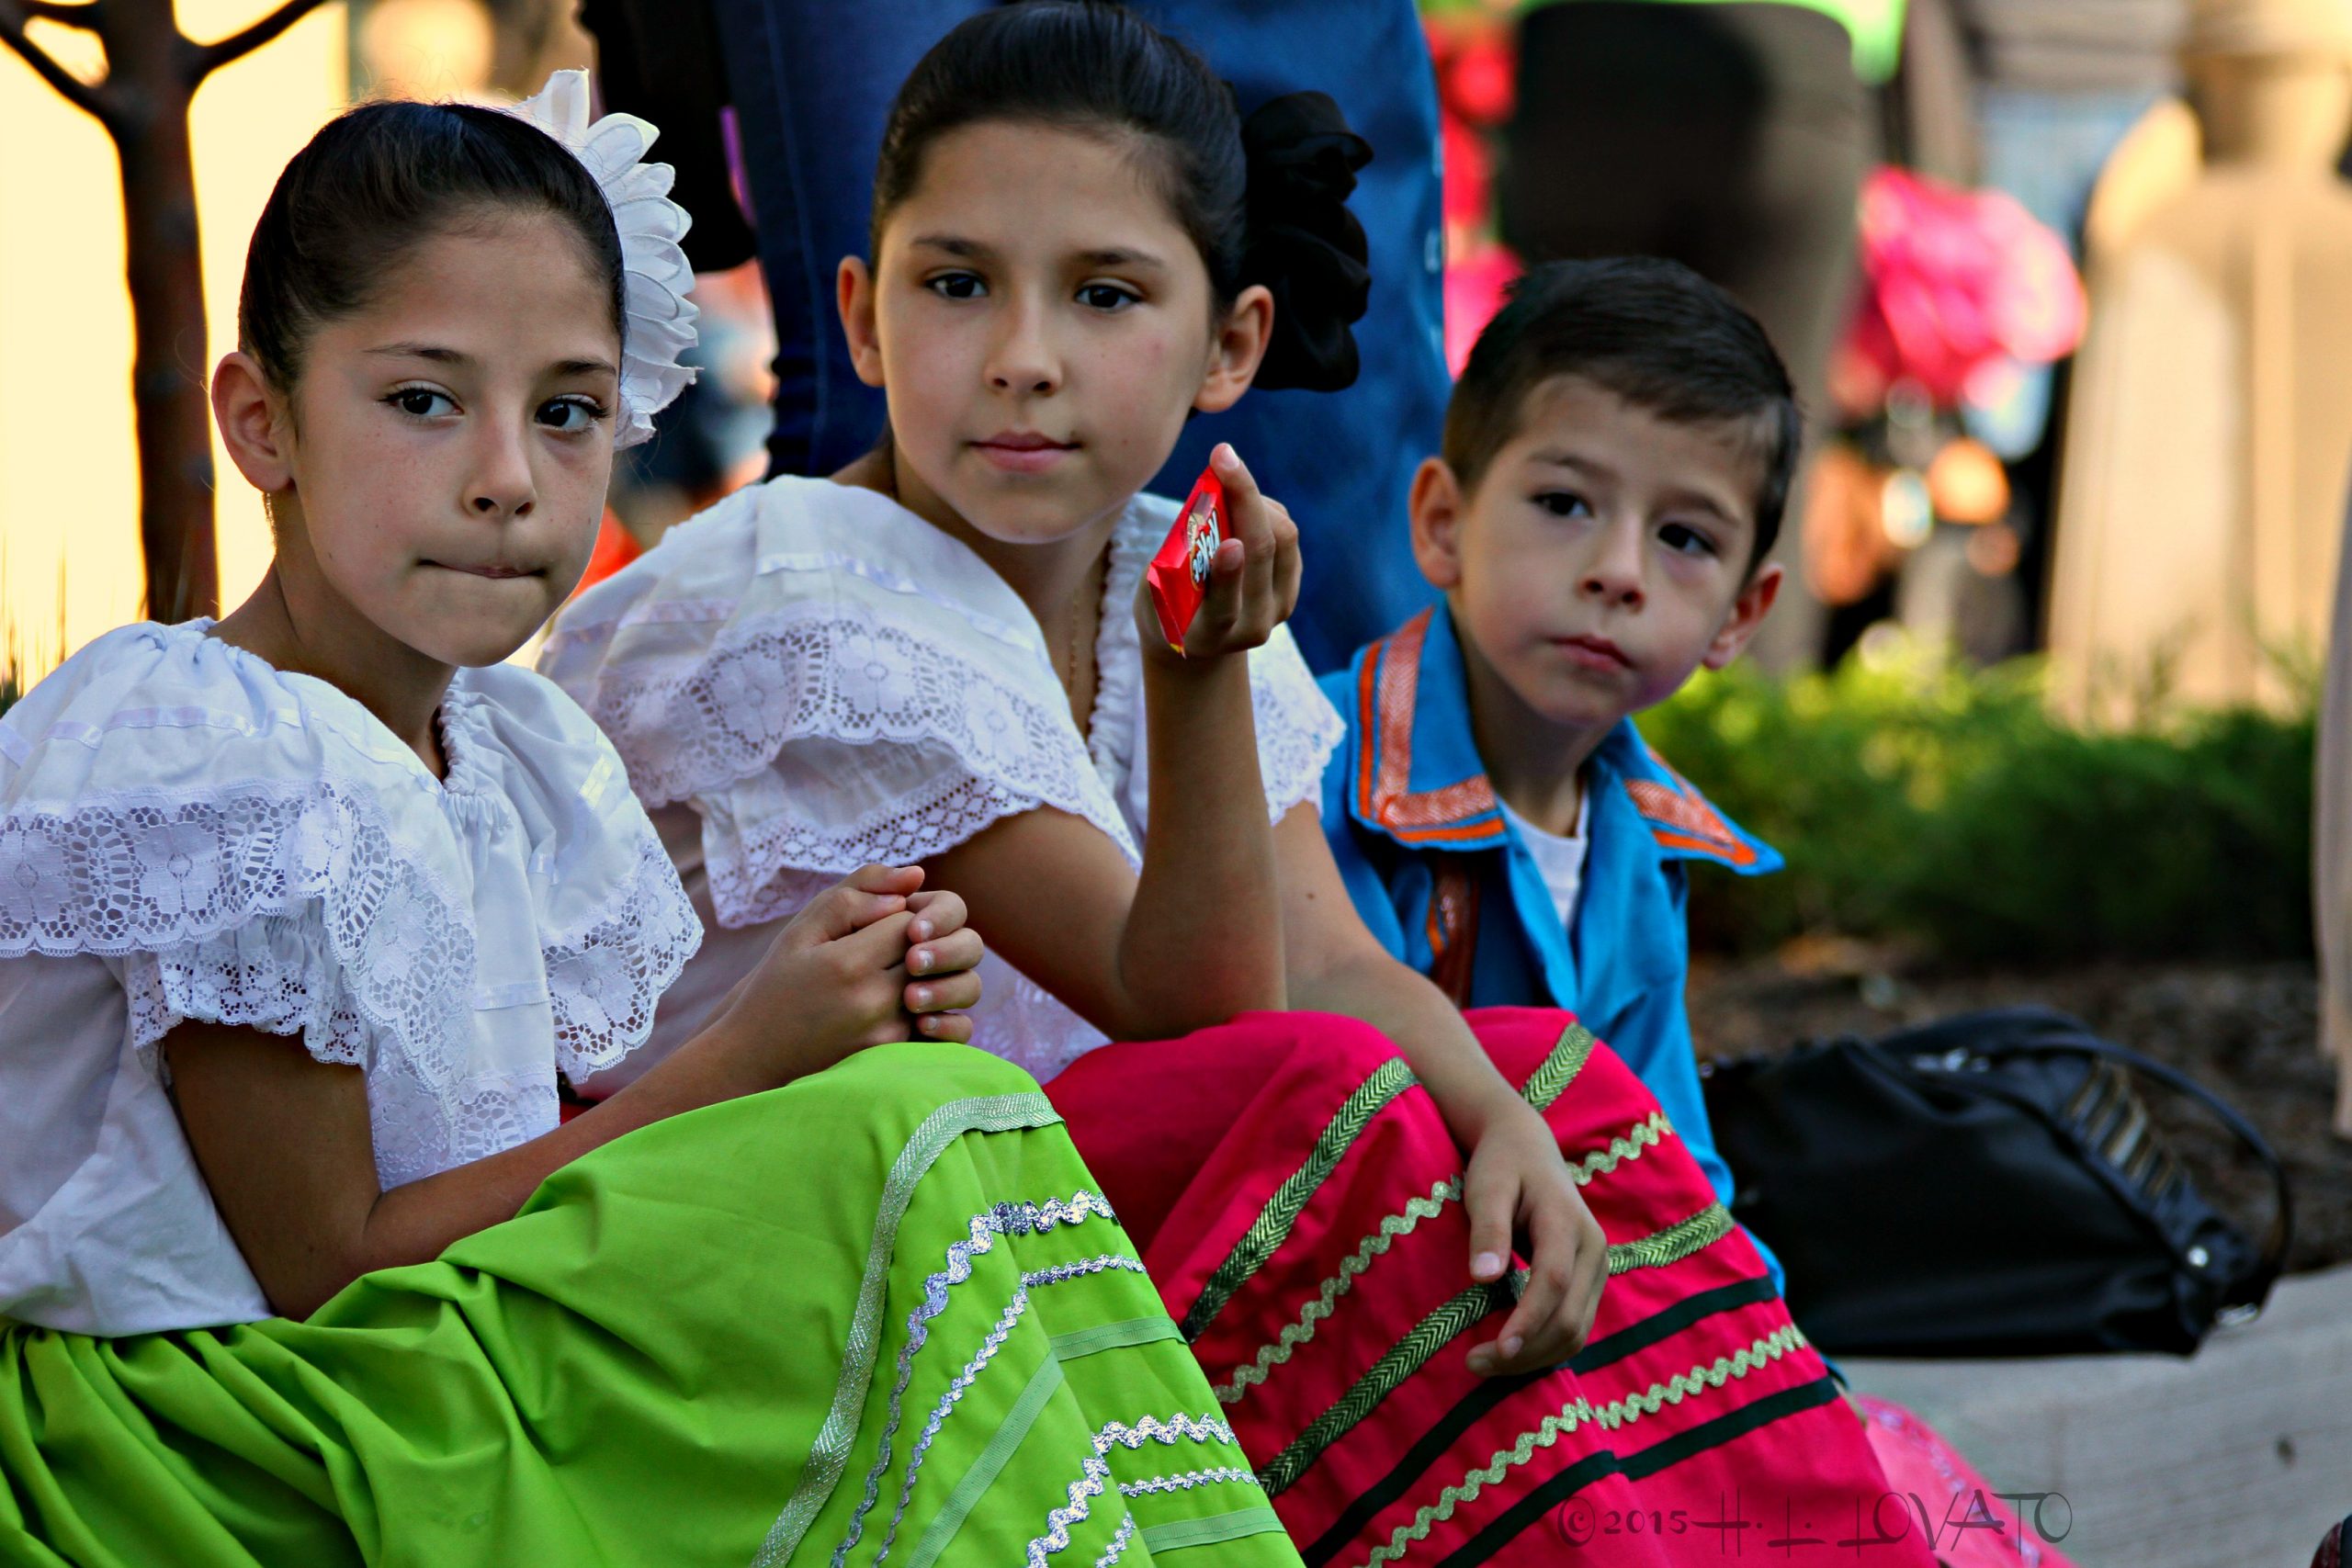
{"x": 1415, "y": 773}
{"x": 1685, "y": 824}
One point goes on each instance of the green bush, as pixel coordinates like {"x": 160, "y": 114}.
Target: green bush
{"x": 1918, "y": 801}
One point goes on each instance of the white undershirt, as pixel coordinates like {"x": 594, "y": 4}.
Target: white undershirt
{"x": 1560, "y": 860}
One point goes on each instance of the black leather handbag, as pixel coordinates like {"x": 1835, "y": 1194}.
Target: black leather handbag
{"x": 1988, "y": 1185}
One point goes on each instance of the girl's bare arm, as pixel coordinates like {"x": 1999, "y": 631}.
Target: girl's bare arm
{"x": 283, "y": 1143}
{"x": 283, "y": 1140}
{"x": 1196, "y": 938}
{"x": 1516, "y": 1186}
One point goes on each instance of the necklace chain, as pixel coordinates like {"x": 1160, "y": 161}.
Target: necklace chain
{"x": 1077, "y": 619}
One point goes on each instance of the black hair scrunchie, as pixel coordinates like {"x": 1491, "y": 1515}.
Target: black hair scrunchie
{"x": 1303, "y": 243}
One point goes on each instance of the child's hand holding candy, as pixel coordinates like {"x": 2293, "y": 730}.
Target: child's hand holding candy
{"x": 1234, "y": 554}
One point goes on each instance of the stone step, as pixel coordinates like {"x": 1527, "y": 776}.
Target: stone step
{"x": 2238, "y": 1457}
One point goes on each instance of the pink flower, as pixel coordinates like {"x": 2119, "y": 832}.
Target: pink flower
{"x": 1473, "y": 292}
{"x": 1956, "y": 284}
{"x": 1480, "y": 85}
{"x": 1469, "y": 173}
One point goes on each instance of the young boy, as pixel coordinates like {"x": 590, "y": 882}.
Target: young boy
{"x": 1618, "y": 453}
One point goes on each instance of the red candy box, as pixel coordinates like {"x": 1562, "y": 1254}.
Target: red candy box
{"x": 1178, "y": 574}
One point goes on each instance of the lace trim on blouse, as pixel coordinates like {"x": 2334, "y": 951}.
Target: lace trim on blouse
{"x": 815, "y": 672}
{"x": 308, "y": 906}
{"x": 829, "y": 680}
{"x": 606, "y": 981}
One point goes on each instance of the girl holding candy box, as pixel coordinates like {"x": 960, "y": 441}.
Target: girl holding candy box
{"x": 948, "y": 651}
{"x": 305, "y": 913}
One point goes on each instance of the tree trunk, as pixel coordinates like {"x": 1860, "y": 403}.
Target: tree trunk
{"x": 146, "y": 59}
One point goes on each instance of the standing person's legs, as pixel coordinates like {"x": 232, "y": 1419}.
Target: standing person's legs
{"x": 1791, "y": 259}
{"x": 1634, "y": 122}
{"x": 812, "y": 82}
{"x": 1343, "y": 462}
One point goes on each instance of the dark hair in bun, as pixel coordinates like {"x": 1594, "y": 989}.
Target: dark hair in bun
{"x": 1264, "y": 202}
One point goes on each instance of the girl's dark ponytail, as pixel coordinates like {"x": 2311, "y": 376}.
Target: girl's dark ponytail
{"x": 1303, "y": 243}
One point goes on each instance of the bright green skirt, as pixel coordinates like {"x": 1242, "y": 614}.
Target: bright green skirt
{"x": 879, "y": 1316}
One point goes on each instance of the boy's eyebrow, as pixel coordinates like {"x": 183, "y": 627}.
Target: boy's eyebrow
{"x": 1560, "y": 458}
{"x": 1729, "y": 516}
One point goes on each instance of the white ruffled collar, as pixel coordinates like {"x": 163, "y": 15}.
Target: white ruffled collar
{"x": 245, "y": 694}
{"x": 826, "y": 680}
{"x": 264, "y": 852}
{"x": 462, "y": 723}
{"x": 1118, "y": 669}
{"x": 831, "y": 681}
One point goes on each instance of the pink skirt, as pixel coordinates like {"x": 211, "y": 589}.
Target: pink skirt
{"x": 1297, "y": 1196}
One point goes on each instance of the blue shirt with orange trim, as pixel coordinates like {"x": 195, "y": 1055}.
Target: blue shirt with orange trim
{"x": 1449, "y": 888}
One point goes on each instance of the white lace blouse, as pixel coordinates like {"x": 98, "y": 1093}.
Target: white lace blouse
{"x": 186, "y": 832}
{"x": 808, "y": 677}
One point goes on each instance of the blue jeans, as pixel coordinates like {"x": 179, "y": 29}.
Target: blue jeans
{"x": 812, "y": 82}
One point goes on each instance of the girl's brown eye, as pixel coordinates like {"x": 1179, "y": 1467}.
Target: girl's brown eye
{"x": 420, "y": 403}
{"x": 571, "y": 414}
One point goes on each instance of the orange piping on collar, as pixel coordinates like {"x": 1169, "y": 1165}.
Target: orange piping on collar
{"x": 1386, "y": 695}
{"x": 1681, "y": 820}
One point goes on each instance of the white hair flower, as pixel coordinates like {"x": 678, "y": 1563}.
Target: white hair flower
{"x": 657, "y": 276}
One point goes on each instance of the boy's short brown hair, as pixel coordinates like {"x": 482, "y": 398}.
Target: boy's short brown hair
{"x": 1654, "y": 332}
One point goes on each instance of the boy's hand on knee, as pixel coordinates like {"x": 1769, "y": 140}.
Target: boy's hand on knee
{"x": 1518, "y": 1186}
{"x": 1253, "y": 581}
